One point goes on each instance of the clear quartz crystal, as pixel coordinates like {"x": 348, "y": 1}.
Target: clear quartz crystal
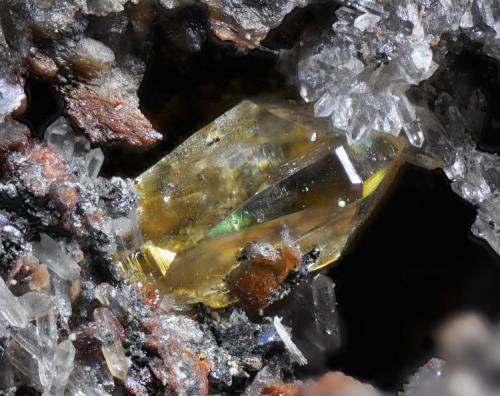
{"x": 49, "y": 252}
{"x": 60, "y": 289}
{"x": 60, "y": 136}
{"x": 36, "y": 303}
{"x": 310, "y": 310}
{"x": 63, "y": 365}
{"x": 117, "y": 362}
{"x": 93, "y": 162}
{"x": 10, "y": 307}
{"x": 325, "y": 305}
{"x": 80, "y": 384}
{"x": 112, "y": 348}
{"x": 24, "y": 363}
{"x": 46, "y": 337}
{"x": 242, "y": 178}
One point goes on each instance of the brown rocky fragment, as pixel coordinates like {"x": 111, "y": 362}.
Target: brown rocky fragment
{"x": 44, "y": 173}
{"x": 262, "y": 271}
{"x": 43, "y": 66}
{"x": 13, "y": 136}
{"x": 107, "y": 117}
{"x": 174, "y": 364}
{"x": 27, "y": 275}
{"x": 247, "y": 24}
{"x": 254, "y": 285}
{"x": 224, "y": 31}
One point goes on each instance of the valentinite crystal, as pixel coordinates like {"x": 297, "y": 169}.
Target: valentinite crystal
{"x": 253, "y": 172}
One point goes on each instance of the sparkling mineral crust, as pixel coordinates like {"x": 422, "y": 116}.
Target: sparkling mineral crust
{"x": 229, "y": 213}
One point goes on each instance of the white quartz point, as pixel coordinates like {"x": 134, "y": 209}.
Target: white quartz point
{"x": 60, "y": 136}
{"x": 49, "y": 253}
{"x": 10, "y": 307}
{"x": 325, "y": 305}
{"x": 93, "y": 162}
{"x": 295, "y": 352}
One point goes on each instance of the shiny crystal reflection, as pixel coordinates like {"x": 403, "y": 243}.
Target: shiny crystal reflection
{"x": 242, "y": 178}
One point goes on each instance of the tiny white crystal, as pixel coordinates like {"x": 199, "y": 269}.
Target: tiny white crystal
{"x": 295, "y": 352}
{"x": 93, "y": 162}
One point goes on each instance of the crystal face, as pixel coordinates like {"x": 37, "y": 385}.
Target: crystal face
{"x": 255, "y": 170}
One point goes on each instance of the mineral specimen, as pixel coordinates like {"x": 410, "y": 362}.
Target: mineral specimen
{"x": 243, "y": 178}
{"x": 239, "y": 212}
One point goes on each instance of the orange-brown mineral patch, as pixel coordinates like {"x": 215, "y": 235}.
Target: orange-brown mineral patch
{"x": 278, "y": 388}
{"x": 107, "y": 117}
{"x": 262, "y": 271}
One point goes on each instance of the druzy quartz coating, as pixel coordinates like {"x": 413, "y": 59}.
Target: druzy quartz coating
{"x": 256, "y": 170}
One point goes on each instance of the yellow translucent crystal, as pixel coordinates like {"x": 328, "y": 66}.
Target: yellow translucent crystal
{"x": 254, "y": 170}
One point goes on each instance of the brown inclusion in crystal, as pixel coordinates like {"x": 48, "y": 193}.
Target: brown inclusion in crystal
{"x": 241, "y": 179}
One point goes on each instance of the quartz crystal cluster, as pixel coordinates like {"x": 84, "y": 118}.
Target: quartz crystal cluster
{"x": 358, "y": 74}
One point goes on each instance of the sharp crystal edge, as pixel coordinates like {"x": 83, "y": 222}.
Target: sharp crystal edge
{"x": 241, "y": 179}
